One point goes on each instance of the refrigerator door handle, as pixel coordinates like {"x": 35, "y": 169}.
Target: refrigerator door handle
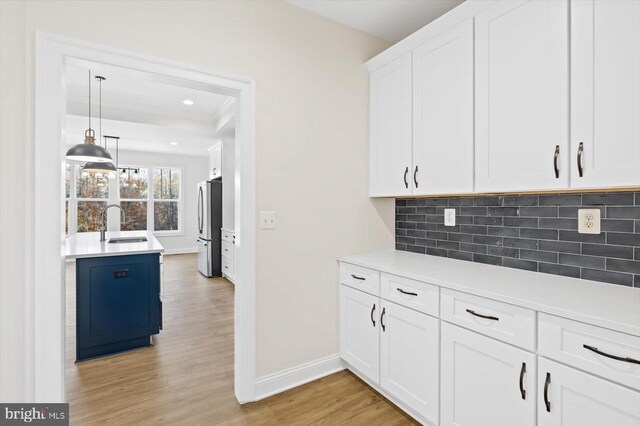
{"x": 200, "y": 205}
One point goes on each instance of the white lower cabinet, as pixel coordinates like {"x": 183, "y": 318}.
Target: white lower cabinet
{"x": 409, "y": 356}
{"x": 570, "y": 397}
{"x": 485, "y": 382}
{"x": 359, "y": 336}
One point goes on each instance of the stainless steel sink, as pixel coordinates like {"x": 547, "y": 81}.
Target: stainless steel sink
{"x": 119, "y": 240}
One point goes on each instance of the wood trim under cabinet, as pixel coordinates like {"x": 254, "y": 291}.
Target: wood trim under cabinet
{"x": 542, "y": 192}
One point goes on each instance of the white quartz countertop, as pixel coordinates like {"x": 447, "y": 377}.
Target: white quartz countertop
{"x": 87, "y": 244}
{"x": 606, "y": 305}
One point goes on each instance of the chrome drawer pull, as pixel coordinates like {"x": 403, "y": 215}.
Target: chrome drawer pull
{"x": 617, "y": 358}
{"x": 483, "y": 316}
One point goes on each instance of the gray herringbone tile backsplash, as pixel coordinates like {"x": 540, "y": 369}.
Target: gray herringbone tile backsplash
{"x": 532, "y": 232}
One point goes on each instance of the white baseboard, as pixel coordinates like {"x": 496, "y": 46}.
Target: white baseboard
{"x": 185, "y": 250}
{"x": 290, "y": 378}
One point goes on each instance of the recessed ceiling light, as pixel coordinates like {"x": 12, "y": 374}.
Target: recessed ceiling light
{"x": 187, "y": 102}
{"x": 173, "y": 143}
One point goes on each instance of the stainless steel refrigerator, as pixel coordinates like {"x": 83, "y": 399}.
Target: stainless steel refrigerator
{"x": 209, "y": 224}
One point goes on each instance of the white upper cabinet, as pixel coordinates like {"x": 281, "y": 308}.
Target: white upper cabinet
{"x": 605, "y": 93}
{"x": 443, "y": 113}
{"x": 568, "y": 397}
{"x": 390, "y": 129}
{"x": 522, "y": 54}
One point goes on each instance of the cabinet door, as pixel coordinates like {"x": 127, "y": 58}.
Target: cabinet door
{"x": 522, "y": 96}
{"x": 409, "y": 355}
{"x": 359, "y": 336}
{"x": 390, "y": 129}
{"x": 570, "y": 397}
{"x": 443, "y": 113}
{"x": 485, "y": 382}
{"x": 605, "y": 93}
{"x": 215, "y": 161}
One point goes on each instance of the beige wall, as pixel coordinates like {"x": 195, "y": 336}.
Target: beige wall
{"x": 311, "y": 138}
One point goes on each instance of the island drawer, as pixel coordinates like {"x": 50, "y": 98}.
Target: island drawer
{"x": 606, "y": 353}
{"x": 412, "y": 294}
{"x": 502, "y": 321}
{"x": 364, "y": 279}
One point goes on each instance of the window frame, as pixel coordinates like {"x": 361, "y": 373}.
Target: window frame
{"x": 114, "y": 197}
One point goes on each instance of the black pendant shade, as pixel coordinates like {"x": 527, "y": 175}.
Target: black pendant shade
{"x": 89, "y": 151}
{"x": 99, "y": 167}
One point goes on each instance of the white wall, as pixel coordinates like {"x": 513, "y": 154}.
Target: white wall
{"x": 228, "y": 182}
{"x": 194, "y": 170}
{"x": 311, "y": 141}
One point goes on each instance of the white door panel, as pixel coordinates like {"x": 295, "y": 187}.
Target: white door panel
{"x": 605, "y": 93}
{"x": 522, "y": 121}
{"x": 390, "y": 129}
{"x": 443, "y": 113}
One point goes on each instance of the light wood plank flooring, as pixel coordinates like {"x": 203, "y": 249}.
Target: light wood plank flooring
{"x": 187, "y": 377}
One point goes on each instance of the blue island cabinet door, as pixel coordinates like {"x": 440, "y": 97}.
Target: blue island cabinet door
{"x": 117, "y": 303}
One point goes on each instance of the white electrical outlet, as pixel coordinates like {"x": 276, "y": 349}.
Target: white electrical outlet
{"x": 589, "y": 221}
{"x": 449, "y": 217}
{"x": 267, "y": 220}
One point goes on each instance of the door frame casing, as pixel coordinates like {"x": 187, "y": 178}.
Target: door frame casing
{"x": 46, "y": 287}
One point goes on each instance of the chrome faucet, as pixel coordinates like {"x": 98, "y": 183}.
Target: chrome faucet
{"x": 103, "y": 226}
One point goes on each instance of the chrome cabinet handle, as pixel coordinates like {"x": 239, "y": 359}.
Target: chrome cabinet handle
{"x": 373, "y": 309}
{"x": 491, "y": 317}
{"x": 415, "y": 176}
{"x": 556, "y": 166}
{"x": 406, "y": 182}
{"x": 355, "y": 277}
{"x": 547, "y": 382}
{"x": 410, "y": 293}
{"x": 382, "y": 319}
{"x": 617, "y": 358}
{"x": 580, "y": 154}
{"x": 523, "y": 370}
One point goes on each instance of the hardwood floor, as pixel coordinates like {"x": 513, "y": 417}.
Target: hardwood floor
{"x": 186, "y": 378}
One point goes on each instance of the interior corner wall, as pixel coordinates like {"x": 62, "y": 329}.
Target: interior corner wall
{"x": 311, "y": 154}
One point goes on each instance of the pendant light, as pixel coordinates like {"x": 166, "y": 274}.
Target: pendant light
{"x": 100, "y": 167}
{"x": 89, "y": 151}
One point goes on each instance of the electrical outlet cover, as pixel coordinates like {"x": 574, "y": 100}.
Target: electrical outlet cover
{"x": 589, "y": 221}
{"x": 449, "y": 217}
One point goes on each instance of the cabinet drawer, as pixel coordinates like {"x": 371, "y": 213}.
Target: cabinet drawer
{"x": 227, "y": 266}
{"x": 412, "y": 294}
{"x": 227, "y": 250}
{"x": 502, "y": 321}
{"x": 228, "y": 236}
{"x": 609, "y": 354}
{"x": 364, "y": 279}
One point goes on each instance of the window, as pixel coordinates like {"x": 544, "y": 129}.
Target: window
{"x": 166, "y": 199}
{"x": 150, "y": 197}
{"x": 92, "y": 195}
{"x": 134, "y": 192}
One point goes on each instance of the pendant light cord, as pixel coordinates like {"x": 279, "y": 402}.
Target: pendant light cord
{"x": 105, "y": 141}
{"x": 89, "y": 99}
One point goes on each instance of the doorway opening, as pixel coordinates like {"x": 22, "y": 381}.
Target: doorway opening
{"x": 159, "y": 193}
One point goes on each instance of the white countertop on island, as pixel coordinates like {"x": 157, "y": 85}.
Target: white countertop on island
{"x": 606, "y": 305}
{"x": 88, "y": 244}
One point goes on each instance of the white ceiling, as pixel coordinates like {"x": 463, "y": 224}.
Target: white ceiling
{"x": 390, "y": 20}
{"x": 147, "y": 114}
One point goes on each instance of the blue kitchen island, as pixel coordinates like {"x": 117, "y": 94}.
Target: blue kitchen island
{"x": 118, "y": 291}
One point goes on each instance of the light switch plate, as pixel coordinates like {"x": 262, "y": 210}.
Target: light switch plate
{"x": 449, "y": 217}
{"x": 589, "y": 221}
{"x": 267, "y": 220}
